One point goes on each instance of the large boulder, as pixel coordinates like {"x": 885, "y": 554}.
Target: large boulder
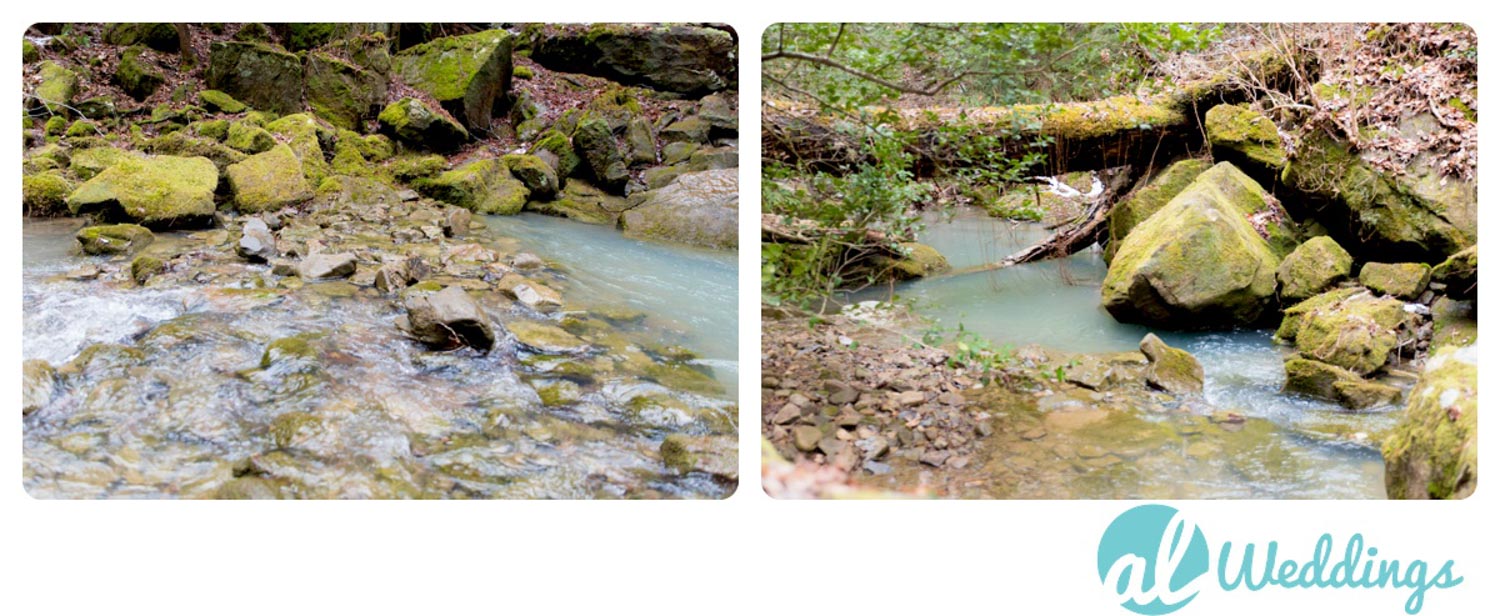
{"x": 485, "y": 186}
{"x": 1459, "y": 274}
{"x": 446, "y": 318}
{"x": 1356, "y": 331}
{"x": 120, "y": 239}
{"x": 1144, "y": 201}
{"x": 44, "y": 194}
{"x": 256, "y": 74}
{"x": 1434, "y": 451}
{"x": 1418, "y": 216}
{"x": 1198, "y": 262}
{"x": 342, "y": 93}
{"x": 467, "y": 75}
{"x": 1311, "y": 268}
{"x": 305, "y": 135}
{"x": 1243, "y": 136}
{"x": 268, "y": 181}
{"x": 676, "y": 58}
{"x": 1171, "y": 369}
{"x": 596, "y": 146}
{"x": 158, "y": 36}
{"x": 137, "y": 76}
{"x": 538, "y": 176}
{"x": 1330, "y": 382}
{"x": 413, "y": 123}
{"x": 1400, "y": 280}
{"x": 57, "y": 86}
{"x": 698, "y": 208}
{"x": 161, "y": 191}
{"x": 919, "y": 260}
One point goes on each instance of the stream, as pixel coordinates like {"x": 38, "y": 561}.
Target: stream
{"x": 163, "y": 391}
{"x": 1289, "y": 446}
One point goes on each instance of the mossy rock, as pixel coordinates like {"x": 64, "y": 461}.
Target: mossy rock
{"x": 410, "y": 167}
{"x": 137, "y": 76}
{"x": 306, "y": 136}
{"x": 57, "y": 87}
{"x": 158, "y": 36}
{"x": 1454, "y": 323}
{"x": 1459, "y": 274}
{"x": 143, "y": 267}
{"x": 691, "y": 129}
{"x": 596, "y": 146}
{"x": 55, "y": 126}
{"x": 1244, "y": 136}
{"x": 307, "y": 36}
{"x": 1330, "y": 382}
{"x": 45, "y": 194}
{"x": 215, "y": 100}
{"x": 257, "y": 74}
{"x": 1404, "y": 281}
{"x": 583, "y": 202}
{"x": 920, "y": 261}
{"x": 700, "y": 209}
{"x": 483, "y": 186}
{"x": 683, "y": 59}
{"x": 158, "y": 191}
{"x": 1313, "y": 267}
{"x": 557, "y": 392}
{"x": 29, "y": 52}
{"x": 120, "y": 239}
{"x": 249, "y": 138}
{"x": 559, "y": 147}
{"x": 1291, "y": 321}
{"x": 1198, "y": 262}
{"x": 413, "y": 123}
{"x": 1434, "y": 451}
{"x": 1170, "y": 369}
{"x": 640, "y": 146}
{"x": 546, "y": 338}
{"x": 268, "y": 181}
{"x": 48, "y": 157}
{"x": 86, "y": 164}
{"x": 218, "y": 130}
{"x": 616, "y": 106}
{"x": 343, "y": 94}
{"x": 465, "y": 74}
{"x": 1357, "y": 333}
{"x": 181, "y": 143}
{"x": 536, "y": 174}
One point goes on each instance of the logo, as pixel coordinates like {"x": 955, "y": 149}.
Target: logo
{"x": 1156, "y": 560}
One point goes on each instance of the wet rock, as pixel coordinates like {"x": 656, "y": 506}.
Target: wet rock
{"x": 1433, "y": 452}
{"x": 558, "y": 392}
{"x": 711, "y": 455}
{"x": 1400, "y": 280}
{"x": 698, "y": 208}
{"x": 38, "y": 383}
{"x": 447, "y": 318}
{"x": 256, "y": 244}
{"x": 268, "y": 181}
{"x": 259, "y": 75}
{"x": 546, "y": 338}
{"x": 121, "y": 239}
{"x": 323, "y": 266}
{"x": 162, "y": 190}
{"x": 534, "y": 295}
{"x": 1331, "y": 382}
{"x": 1172, "y": 370}
{"x": 484, "y": 186}
{"x": 1198, "y": 262}
{"x": 1313, "y": 267}
{"x": 249, "y": 488}
{"x": 526, "y": 261}
{"x": 143, "y": 267}
{"x": 467, "y": 74}
{"x": 675, "y": 58}
{"x": 414, "y": 124}
{"x": 1355, "y": 331}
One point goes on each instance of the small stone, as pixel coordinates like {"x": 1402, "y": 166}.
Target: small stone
{"x": 256, "y": 244}
{"x": 322, "y": 265}
{"x": 910, "y": 398}
{"x": 805, "y": 438}
{"x": 787, "y": 414}
{"x": 873, "y": 447}
{"x": 456, "y": 221}
{"x": 935, "y": 457}
{"x": 526, "y": 261}
{"x": 830, "y": 446}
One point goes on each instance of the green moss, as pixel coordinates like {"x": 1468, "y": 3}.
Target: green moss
{"x": 1454, "y": 323}
{"x": 83, "y": 128}
{"x": 143, "y": 267}
{"x": 412, "y": 122}
{"x": 484, "y": 186}
{"x": 1314, "y": 266}
{"x": 522, "y": 72}
{"x": 180, "y": 143}
{"x": 158, "y": 190}
{"x": 114, "y": 239}
{"x": 44, "y": 194}
{"x": 215, "y": 100}
{"x": 1246, "y": 135}
{"x": 304, "y": 134}
{"x": 676, "y": 454}
{"x": 1460, "y": 273}
{"x": 921, "y": 260}
{"x": 408, "y": 168}
{"x": 1405, "y": 281}
{"x": 340, "y": 92}
{"x": 248, "y": 138}
{"x": 29, "y": 52}
{"x": 536, "y": 174}
{"x": 560, "y": 147}
{"x": 377, "y": 148}
{"x": 1433, "y": 452}
{"x": 57, "y": 87}
{"x": 158, "y": 36}
{"x": 307, "y": 36}
{"x": 218, "y": 130}
{"x": 56, "y": 125}
{"x": 137, "y": 76}
{"x": 268, "y": 181}
{"x": 1357, "y": 333}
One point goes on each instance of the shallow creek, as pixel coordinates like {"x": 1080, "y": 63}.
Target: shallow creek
{"x": 1073, "y": 443}
{"x": 162, "y": 391}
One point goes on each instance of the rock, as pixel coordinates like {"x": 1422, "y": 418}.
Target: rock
{"x": 688, "y": 130}
{"x": 256, "y": 244}
{"x": 538, "y": 297}
{"x": 38, "y": 384}
{"x": 1355, "y": 331}
{"x": 538, "y": 176}
{"x": 447, "y": 318}
{"x": 1312, "y": 268}
{"x": 1172, "y": 370}
{"x": 268, "y": 181}
{"x": 183, "y": 144}
{"x": 910, "y": 398}
{"x": 698, "y": 208}
{"x": 1144, "y": 201}
{"x": 921, "y": 261}
{"x": 526, "y": 261}
{"x": 249, "y": 138}
{"x": 545, "y": 338}
{"x": 413, "y": 123}
{"x": 45, "y": 194}
{"x": 456, "y": 221}
{"x": 1361, "y": 394}
{"x": 1401, "y": 280}
{"x": 1330, "y": 382}
{"x": 485, "y": 186}
{"x": 1198, "y": 262}
{"x": 220, "y": 101}
{"x": 159, "y": 36}
{"x": 718, "y": 110}
{"x": 342, "y": 93}
{"x": 248, "y": 488}
{"x": 321, "y": 266}
{"x": 677, "y": 58}
{"x": 711, "y": 455}
{"x": 465, "y": 74}
{"x": 137, "y": 76}
{"x": 1243, "y": 136}
{"x": 805, "y": 438}
{"x": 1434, "y": 451}
{"x": 597, "y": 148}
{"x": 1460, "y": 274}
{"x": 57, "y": 87}
{"x": 640, "y": 146}
{"x": 121, "y": 239}
{"x": 1420, "y": 216}
{"x": 305, "y": 135}
{"x": 1454, "y": 323}
{"x": 256, "y": 74}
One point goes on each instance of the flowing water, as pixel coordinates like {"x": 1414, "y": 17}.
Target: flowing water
{"x": 1289, "y": 446}
{"x": 169, "y": 390}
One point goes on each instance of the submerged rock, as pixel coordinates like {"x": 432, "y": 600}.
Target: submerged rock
{"x": 1311, "y": 268}
{"x": 1434, "y": 451}
{"x": 156, "y": 191}
{"x": 1172, "y": 370}
{"x": 698, "y": 208}
{"x": 465, "y": 74}
{"x": 1400, "y": 280}
{"x": 121, "y": 239}
{"x": 447, "y": 318}
{"x": 1198, "y": 262}
{"x": 545, "y": 338}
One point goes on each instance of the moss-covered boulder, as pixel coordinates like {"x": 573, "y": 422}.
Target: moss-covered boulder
{"x": 215, "y": 100}
{"x": 120, "y": 239}
{"x": 305, "y": 134}
{"x": 919, "y": 261}
{"x": 161, "y": 191}
{"x": 1356, "y": 331}
{"x": 1454, "y": 323}
{"x": 413, "y": 123}
{"x": 583, "y": 202}
{"x": 143, "y": 267}
{"x": 596, "y": 146}
{"x": 1170, "y": 369}
{"x": 675, "y": 58}
{"x": 259, "y": 75}
{"x": 1420, "y": 218}
{"x": 45, "y": 193}
{"x": 29, "y": 52}
{"x": 1330, "y": 382}
{"x": 538, "y": 176}
{"x": 88, "y": 163}
{"x": 484, "y": 186}
{"x": 1245, "y": 137}
{"x": 268, "y": 181}
{"x": 57, "y": 86}
{"x": 248, "y": 138}
{"x": 546, "y": 338}
{"x": 158, "y": 36}
{"x": 465, "y": 74}
{"x": 1198, "y": 262}
{"x": 1434, "y": 451}
{"x": 556, "y": 148}
{"x": 184, "y": 143}
{"x": 1313, "y": 267}
{"x": 342, "y": 93}
{"x": 698, "y": 208}
{"x": 1459, "y": 274}
{"x": 1400, "y": 280}
{"x": 136, "y": 75}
